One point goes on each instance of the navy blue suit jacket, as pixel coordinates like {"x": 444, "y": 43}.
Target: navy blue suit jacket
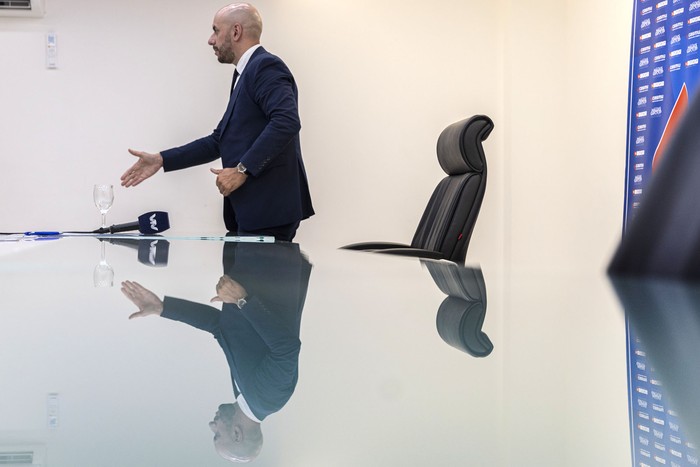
{"x": 260, "y": 129}
{"x": 261, "y": 341}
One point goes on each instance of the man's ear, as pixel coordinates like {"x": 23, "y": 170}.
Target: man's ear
{"x": 237, "y": 434}
{"x": 236, "y": 32}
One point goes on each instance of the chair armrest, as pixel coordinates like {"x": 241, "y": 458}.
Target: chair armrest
{"x": 373, "y": 246}
{"x": 413, "y": 252}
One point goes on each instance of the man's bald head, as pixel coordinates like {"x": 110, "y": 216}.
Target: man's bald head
{"x": 237, "y": 27}
{"x": 245, "y": 15}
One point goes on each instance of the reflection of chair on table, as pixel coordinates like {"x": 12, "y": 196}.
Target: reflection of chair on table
{"x": 446, "y": 227}
{"x": 461, "y": 315}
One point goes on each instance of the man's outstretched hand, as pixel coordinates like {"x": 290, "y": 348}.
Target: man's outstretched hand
{"x": 147, "y": 301}
{"x": 146, "y": 166}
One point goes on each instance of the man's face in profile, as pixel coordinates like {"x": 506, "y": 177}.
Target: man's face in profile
{"x": 236, "y": 437}
{"x": 222, "y": 425}
{"x": 221, "y": 42}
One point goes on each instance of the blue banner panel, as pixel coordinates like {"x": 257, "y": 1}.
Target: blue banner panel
{"x": 658, "y": 437}
{"x": 663, "y": 77}
{"x": 664, "y": 72}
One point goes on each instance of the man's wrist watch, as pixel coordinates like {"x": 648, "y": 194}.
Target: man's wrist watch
{"x": 240, "y": 303}
{"x": 242, "y": 169}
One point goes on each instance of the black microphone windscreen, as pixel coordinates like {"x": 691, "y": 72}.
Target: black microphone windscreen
{"x": 154, "y": 252}
{"x": 153, "y": 222}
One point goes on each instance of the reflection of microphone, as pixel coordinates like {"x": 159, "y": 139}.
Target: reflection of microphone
{"x": 150, "y": 252}
{"x": 150, "y": 223}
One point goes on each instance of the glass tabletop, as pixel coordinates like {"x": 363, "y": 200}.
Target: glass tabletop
{"x": 126, "y": 352}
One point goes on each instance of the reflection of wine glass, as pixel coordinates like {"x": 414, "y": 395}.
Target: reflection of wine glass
{"x": 103, "y": 275}
{"x": 103, "y": 195}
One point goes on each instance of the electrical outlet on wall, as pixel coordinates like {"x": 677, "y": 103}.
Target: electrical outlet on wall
{"x": 51, "y": 51}
{"x": 52, "y": 411}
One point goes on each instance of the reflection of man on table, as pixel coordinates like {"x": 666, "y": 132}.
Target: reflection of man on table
{"x": 263, "y": 292}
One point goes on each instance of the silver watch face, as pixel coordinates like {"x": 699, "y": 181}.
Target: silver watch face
{"x": 241, "y": 168}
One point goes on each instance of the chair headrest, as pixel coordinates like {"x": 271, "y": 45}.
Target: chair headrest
{"x": 459, "y": 148}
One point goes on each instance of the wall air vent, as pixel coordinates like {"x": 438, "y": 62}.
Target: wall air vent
{"x": 17, "y": 458}
{"x": 22, "y": 8}
{"x": 23, "y": 456}
{"x": 17, "y": 5}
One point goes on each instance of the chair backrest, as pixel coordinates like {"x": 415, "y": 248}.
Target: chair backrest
{"x": 461, "y": 315}
{"x": 449, "y": 218}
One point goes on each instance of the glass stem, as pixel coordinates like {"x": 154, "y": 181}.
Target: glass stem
{"x": 104, "y": 220}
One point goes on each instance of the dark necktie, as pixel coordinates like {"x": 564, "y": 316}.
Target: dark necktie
{"x": 235, "y": 78}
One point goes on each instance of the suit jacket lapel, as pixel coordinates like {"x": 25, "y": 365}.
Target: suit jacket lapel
{"x": 237, "y": 90}
{"x": 231, "y": 102}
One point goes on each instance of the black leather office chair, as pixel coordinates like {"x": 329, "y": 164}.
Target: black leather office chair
{"x": 461, "y": 315}
{"x": 446, "y": 227}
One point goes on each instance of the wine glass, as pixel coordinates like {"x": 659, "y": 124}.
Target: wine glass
{"x": 103, "y": 195}
{"x": 103, "y": 275}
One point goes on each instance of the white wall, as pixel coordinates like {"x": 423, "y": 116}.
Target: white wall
{"x": 378, "y": 82}
{"x": 566, "y": 66}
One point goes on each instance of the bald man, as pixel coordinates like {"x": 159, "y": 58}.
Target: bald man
{"x": 263, "y": 179}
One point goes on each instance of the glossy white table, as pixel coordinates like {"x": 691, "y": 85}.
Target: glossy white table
{"x": 83, "y": 385}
